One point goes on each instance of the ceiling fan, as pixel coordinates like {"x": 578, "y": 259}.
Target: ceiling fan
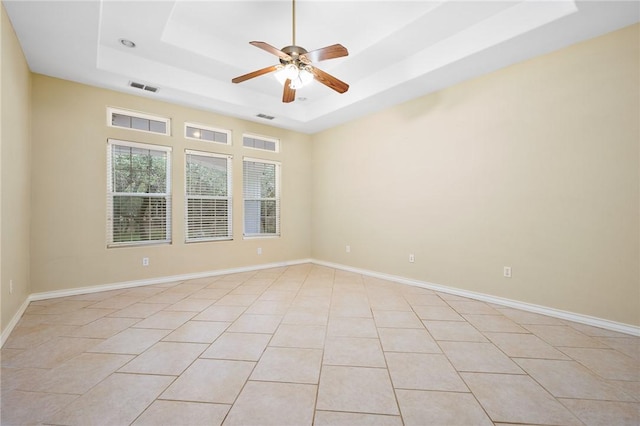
{"x": 295, "y": 69}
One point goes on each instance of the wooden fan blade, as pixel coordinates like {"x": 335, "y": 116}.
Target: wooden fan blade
{"x": 254, "y": 74}
{"x": 289, "y": 94}
{"x": 329, "y": 80}
{"x": 329, "y": 52}
{"x": 269, "y": 48}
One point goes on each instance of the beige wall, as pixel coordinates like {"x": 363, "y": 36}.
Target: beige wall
{"x": 69, "y": 185}
{"x": 535, "y": 166}
{"x": 15, "y": 172}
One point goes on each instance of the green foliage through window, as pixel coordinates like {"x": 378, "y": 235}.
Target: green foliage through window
{"x": 261, "y": 198}
{"x": 208, "y": 186}
{"x": 139, "y": 194}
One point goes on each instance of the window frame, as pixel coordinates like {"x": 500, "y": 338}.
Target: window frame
{"x": 209, "y": 128}
{"x": 137, "y": 114}
{"x": 229, "y": 197}
{"x": 278, "y": 199}
{"x": 167, "y": 195}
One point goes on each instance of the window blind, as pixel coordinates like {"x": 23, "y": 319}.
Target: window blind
{"x": 138, "y": 193}
{"x": 208, "y": 196}
{"x": 261, "y": 191}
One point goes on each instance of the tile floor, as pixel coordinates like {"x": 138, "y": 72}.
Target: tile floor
{"x": 309, "y": 345}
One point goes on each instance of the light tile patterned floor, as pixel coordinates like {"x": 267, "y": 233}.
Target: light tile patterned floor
{"x": 309, "y": 345}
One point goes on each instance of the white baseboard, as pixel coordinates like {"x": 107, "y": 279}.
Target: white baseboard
{"x": 136, "y": 283}
{"x": 556, "y": 313}
{"x": 14, "y": 321}
{"x": 161, "y": 280}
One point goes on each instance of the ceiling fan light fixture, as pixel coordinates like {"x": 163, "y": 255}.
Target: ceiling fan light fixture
{"x": 291, "y": 71}
{"x": 304, "y": 78}
{"x": 299, "y": 77}
{"x": 280, "y": 74}
{"x": 286, "y": 72}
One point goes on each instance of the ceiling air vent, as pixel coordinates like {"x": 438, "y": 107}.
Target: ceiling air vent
{"x": 143, "y": 87}
{"x": 265, "y": 116}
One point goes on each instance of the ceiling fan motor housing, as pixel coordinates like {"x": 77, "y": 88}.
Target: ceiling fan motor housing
{"x": 294, "y": 52}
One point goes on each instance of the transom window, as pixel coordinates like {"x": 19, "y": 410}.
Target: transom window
{"x": 138, "y": 121}
{"x": 138, "y": 193}
{"x": 260, "y": 142}
{"x": 206, "y": 133}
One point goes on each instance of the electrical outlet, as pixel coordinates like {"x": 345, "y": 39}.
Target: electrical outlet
{"x": 145, "y": 261}
{"x": 412, "y": 258}
{"x": 348, "y": 249}
{"x": 507, "y": 271}
{"x": 10, "y": 286}
{"x": 259, "y": 250}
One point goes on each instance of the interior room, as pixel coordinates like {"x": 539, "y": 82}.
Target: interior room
{"x": 434, "y": 220}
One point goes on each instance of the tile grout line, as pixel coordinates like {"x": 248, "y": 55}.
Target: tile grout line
{"x": 326, "y": 335}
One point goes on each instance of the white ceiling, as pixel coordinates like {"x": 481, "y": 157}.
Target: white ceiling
{"x": 398, "y": 50}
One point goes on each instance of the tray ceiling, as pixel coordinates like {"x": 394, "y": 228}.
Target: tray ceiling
{"x": 398, "y": 50}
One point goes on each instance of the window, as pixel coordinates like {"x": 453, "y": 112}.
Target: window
{"x": 138, "y": 193}
{"x": 261, "y": 189}
{"x": 208, "y": 196}
{"x": 205, "y": 133}
{"x": 138, "y": 121}
{"x": 260, "y": 142}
